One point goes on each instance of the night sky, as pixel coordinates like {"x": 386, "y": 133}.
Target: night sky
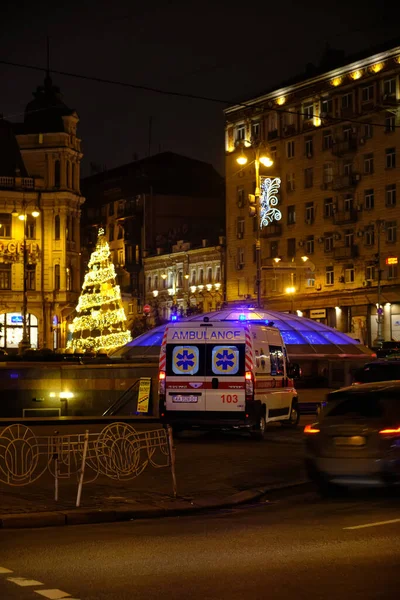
{"x": 219, "y": 49}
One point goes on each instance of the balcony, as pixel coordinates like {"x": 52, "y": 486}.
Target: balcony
{"x": 272, "y": 135}
{"x": 345, "y": 252}
{"x": 289, "y": 130}
{"x": 343, "y": 147}
{"x": 342, "y": 182}
{"x": 344, "y": 217}
{"x": 272, "y": 230}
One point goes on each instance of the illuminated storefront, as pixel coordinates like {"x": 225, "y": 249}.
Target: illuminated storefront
{"x": 11, "y": 329}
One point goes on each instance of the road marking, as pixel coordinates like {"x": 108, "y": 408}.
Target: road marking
{"x": 21, "y": 581}
{"x": 53, "y": 594}
{"x": 4, "y": 570}
{"x": 373, "y": 524}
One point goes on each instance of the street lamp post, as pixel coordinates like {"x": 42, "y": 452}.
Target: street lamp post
{"x": 25, "y": 341}
{"x": 379, "y": 310}
{"x": 254, "y": 203}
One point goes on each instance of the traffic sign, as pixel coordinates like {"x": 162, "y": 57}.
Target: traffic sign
{"x": 146, "y": 309}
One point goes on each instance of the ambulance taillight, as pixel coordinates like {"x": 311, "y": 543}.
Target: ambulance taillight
{"x": 161, "y": 385}
{"x": 249, "y": 385}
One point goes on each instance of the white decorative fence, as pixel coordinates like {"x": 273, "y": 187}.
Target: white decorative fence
{"x": 117, "y": 452}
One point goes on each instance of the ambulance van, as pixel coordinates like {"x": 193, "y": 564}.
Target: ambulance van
{"x": 226, "y": 375}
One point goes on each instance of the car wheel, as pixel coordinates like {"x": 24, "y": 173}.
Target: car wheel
{"x": 294, "y": 416}
{"x": 258, "y": 433}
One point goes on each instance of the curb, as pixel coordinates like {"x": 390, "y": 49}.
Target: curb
{"x": 174, "y": 508}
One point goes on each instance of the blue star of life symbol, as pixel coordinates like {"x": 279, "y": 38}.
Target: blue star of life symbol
{"x": 185, "y": 360}
{"x": 225, "y": 360}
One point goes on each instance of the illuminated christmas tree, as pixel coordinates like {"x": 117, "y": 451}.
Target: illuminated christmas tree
{"x": 100, "y": 324}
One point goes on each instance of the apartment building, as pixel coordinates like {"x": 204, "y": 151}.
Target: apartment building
{"x": 186, "y": 281}
{"x": 40, "y": 203}
{"x": 334, "y": 138}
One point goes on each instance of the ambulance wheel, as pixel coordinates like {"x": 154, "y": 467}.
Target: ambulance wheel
{"x": 294, "y": 417}
{"x": 258, "y": 433}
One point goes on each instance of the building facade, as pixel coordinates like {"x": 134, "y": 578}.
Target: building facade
{"x": 40, "y": 210}
{"x": 334, "y": 137}
{"x": 185, "y": 282}
{"x": 145, "y": 206}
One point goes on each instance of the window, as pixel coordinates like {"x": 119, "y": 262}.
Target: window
{"x": 347, "y": 132}
{"x": 308, "y": 177}
{"x": 348, "y": 203}
{"x": 390, "y": 122}
{"x": 291, "y": 247}
{"x": 240, "y": 227}
{"x": 240, "y": 133}
{"x": 217, "y": 274}
{"x": 309, "y": 214}
{"x": 129, "y": 254}
{"x": 120, "y": 260}
{"x": 347, "y": 101}
{"x": 68, "y": 168}
{"x": 291, "y": 214}
{"x": 326, "y": 106}
{"x": 328, "y": 172}
{"x": 370, "y": 272}
{"x": 369, "y": 199}
{"x": 348, "y": 238}
{"x": 73, "y": 175}
{"x": 329, "y": 275}
{"x": 255, "y": 130}
{"x": 30, "y": 277}
{"x": 308, "y": 111}
{"x": 272, "y": 121}
{"x": 240, "y": 196}
{"x": 57, "y": 281}
{"x": 327, "y": 140}
{"x": 308, "y": 147}
{"x": 5, "y": 276}
{"x": 290, "y": 149}
{"x": 310, "y": 244}
{"x": 389, "y": 87}
{"x": 369, "y": 235}
{"x": 240, "y": 257}
{"x": 57, "y": 227}
{"x": 290, "y": 182}
{"x": 349, "y": 274}
{"x": 390, "y": 158}
{"x": 391, "y": 232}
{"x": 111, "y": 233}
{"x": 193, "y": 280}
{"x": 328, "y": 242}
{"x": 367, "y": 130}
{"x": 120, "y": 232}
{"x": 72, "y": 236}
{"x": 67, "y": 228}
{"x": 183, "y": 360}
{"x": 391, "y": 194}
{"x": 5, "y": 225}
{"x": 30, "y": 227}
{"x": 57, "y": 174}
{"x": 347, "y": 168}
{"x": 274, "y": 249}
{"x": 392, "y": 272}
{"x": 69, "y": 279}
{"x": 328, "y": 207}
{"x": 111, "y": 209}
{"x": 367, "y": 93}
{"x": 368, "y": 163}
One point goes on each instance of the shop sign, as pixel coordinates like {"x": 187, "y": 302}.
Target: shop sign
{"x": 392, "y": 260}
{"x": 318, "y": 313}
{"x": 18, "y": 247}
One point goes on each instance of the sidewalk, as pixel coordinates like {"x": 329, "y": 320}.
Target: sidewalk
{"x": 212, "y": 471}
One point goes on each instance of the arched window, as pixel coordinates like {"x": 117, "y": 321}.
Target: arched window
{"x": 57, "y": 277}
{"x": 72, "y": 236}
{"x": 57, "y": 174}
{"x": 57, "y": 227}
{"x": 68, "y": 174}
{"x": 73, "y": 176}
{"x": 67, "y": 229}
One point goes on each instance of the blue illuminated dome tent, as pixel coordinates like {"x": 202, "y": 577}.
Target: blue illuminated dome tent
{"x": 304, "y": 338}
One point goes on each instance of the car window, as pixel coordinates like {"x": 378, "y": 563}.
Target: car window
{"x": 225, "y": 359}
{"x": 368, "y": 406}
{"x": 185, "y": 359}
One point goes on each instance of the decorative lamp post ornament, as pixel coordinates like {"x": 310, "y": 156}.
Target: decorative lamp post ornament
{"x": 269, "y": 200}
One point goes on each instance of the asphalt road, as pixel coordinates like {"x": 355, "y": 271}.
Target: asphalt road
{"x": 291, "y": 546}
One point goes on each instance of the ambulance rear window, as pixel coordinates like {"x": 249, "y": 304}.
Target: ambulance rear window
{"x": 225, "y": 359}
{"x": 184, "y": 359}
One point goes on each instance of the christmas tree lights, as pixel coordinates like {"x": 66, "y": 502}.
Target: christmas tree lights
{"x": 100, "y": 324}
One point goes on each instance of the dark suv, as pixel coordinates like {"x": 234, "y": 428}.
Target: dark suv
{"x": 378, "y": 370}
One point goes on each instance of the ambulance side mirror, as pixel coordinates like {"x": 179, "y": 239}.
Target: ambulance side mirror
{"x": 294, "y": 370}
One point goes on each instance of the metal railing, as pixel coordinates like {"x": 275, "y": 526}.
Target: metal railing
{"x": 118, "y": 452}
